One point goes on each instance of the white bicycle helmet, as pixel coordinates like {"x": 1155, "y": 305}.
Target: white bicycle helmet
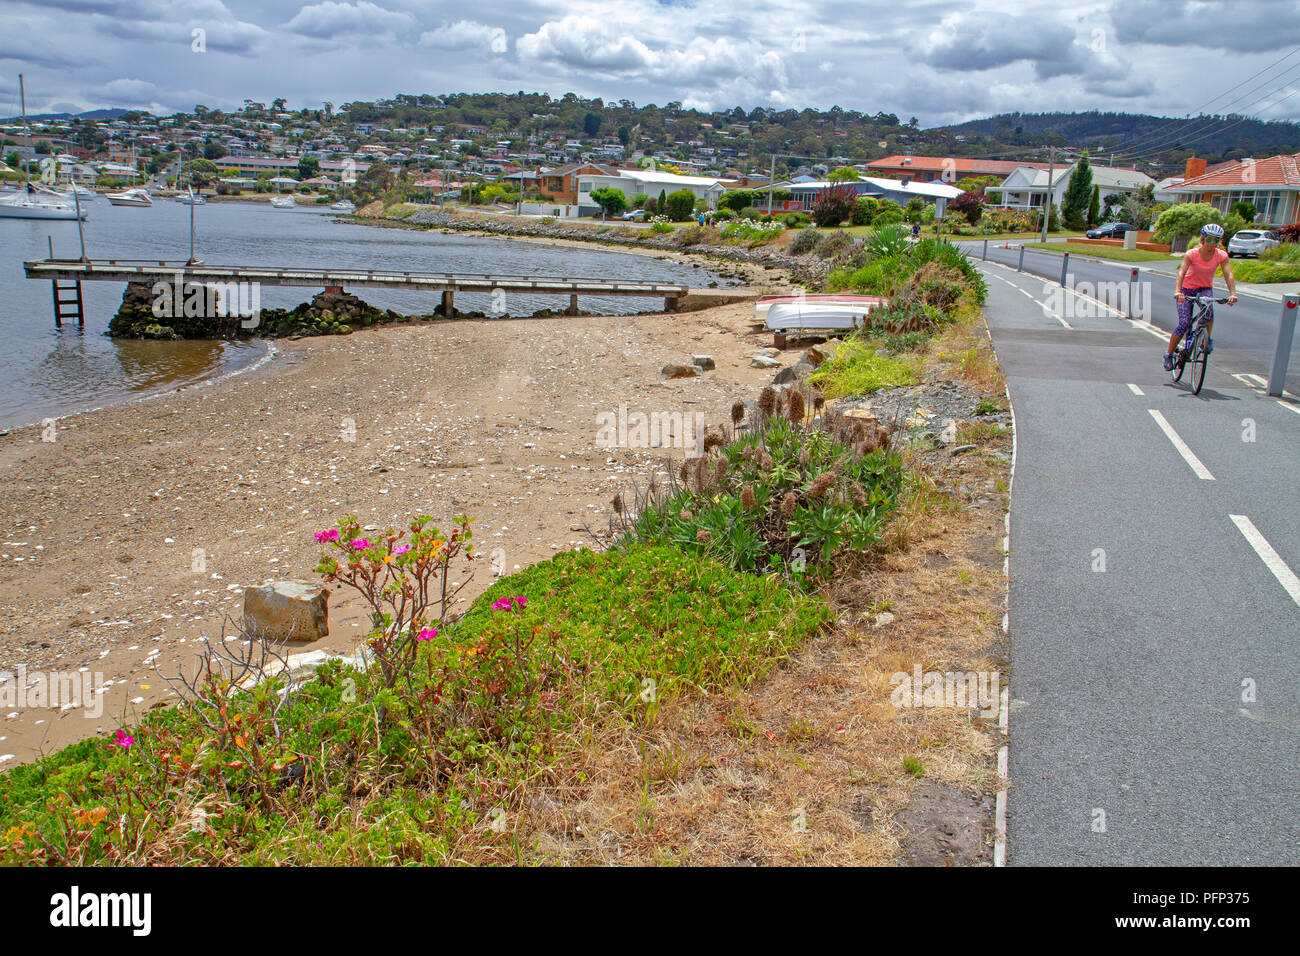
{"x": 1212, "y": 229}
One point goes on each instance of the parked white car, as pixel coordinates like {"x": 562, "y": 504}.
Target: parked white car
{"x": 1251, "y": 242}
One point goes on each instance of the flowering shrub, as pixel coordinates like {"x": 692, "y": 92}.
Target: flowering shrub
{"x": 402, "y": 580}
{"x": 744, "y": 229}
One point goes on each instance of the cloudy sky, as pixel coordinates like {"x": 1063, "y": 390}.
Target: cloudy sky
{"x": 940, "y": 60}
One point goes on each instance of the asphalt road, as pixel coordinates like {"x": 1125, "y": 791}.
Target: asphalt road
{"x": 1244, "y": 343}
{"x": 1155, "y": 710}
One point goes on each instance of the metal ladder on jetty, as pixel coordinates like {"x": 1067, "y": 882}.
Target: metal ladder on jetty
{"x": 68, "y": 306}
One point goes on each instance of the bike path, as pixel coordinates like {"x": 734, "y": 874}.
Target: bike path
{"x": 1129, "y": 739}
{"x": 1245, "y": 343}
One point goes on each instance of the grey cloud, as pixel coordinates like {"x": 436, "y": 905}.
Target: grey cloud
{"x": 1256, "y": 27}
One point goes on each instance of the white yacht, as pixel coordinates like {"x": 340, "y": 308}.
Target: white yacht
{"x": 191, "y": 200}
{"x": 131, "y": 197}
{"x": 32, "y": 203}
{"x": 343, "y": 206}
{"x": 282, "y": 202}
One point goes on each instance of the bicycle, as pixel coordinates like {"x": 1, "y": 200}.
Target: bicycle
{"x": 1195, "y": 348}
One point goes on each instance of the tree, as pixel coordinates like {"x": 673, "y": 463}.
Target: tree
{"x": 864, "y": 211}
{"x": 612, "y": 201}
{"x": 1074, "y": 204}
{"x": 969, "y": 204}
{"x": 43, "y": 147}
{"x": 833, "y": 206}
{"x": 663, "y": 202}
{"x": 201, "y": 171}
{"x": 591, "y": 124}
{"x": 1245, "y": 209}
{"x": 213, "y": 150}
{"x": 1094, "y": 206}
{"x": 845, "y": 174}
{"x": 308, "y": 167}
{"x": 680, "y": 205}
{"x": 1185, "y": 219}
{"x": 914, "y": 210}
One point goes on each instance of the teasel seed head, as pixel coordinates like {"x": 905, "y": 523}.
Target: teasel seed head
{"x": 788, "y": 504}
{"x": 821, "y": 484}
{"x": 767, "y": 401}
{"x": 747, "y": 500}
{"x": 737, "y": 412}
{"x": 798, "y": 406}
{"x": 703, "y": 537}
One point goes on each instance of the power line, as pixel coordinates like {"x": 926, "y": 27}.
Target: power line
{"x": 1164, "y": 138}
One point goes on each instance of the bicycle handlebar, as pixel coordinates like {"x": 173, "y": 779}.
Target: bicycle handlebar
{"x": 1204, "y": 298}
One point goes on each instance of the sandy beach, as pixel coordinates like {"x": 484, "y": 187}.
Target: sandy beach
{"x": 134, "y": 530}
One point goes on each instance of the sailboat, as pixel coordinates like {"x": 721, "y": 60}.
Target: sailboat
{"x": 37, "y": 202}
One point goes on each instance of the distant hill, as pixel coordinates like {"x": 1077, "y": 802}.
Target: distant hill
{"x": 103, "y": 114}
{"x": 1212, "y": 136}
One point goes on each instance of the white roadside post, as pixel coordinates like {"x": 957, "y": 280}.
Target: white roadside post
{"x": 1282, "y": 354}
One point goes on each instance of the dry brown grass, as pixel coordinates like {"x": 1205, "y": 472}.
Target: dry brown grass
{"x": 806, "y": 767}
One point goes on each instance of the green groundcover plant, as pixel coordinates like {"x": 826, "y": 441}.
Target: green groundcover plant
{"x": 422, "y": 760}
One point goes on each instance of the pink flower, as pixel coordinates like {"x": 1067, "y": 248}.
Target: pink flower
{"x": 329, "y": 534}
{"x": 402, "y": 549}
{"x": 427, "y": 634}
{"x": 122, "y": 739}
{"x": 521, "y": 601}
{"x": 501, "y": 605}
{"x": 361, "y": 544}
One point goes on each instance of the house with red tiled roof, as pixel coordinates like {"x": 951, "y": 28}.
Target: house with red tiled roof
{"x": 1272, "y": 185}
{"x": 945, "y": 169}
{"x": 561, "y": 183}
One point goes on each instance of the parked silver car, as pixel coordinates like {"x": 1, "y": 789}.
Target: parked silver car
{"x": 1251, "y": 242}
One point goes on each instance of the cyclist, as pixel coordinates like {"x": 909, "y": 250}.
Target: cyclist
{"x": 1196, "y": 278}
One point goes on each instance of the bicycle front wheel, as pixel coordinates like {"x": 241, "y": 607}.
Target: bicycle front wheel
{"x": 1180, "y": 360}
{"x": 1200, "y": 358}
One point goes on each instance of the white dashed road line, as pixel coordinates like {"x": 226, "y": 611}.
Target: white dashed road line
{"x": 1181, "y": 446}
{"x": 1272, "y": 560}
{"x": 1135, "y": 390}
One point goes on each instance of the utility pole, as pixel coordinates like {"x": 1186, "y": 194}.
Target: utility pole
{"x": 771, "y": 175}
{"x": 1047, "y": 200}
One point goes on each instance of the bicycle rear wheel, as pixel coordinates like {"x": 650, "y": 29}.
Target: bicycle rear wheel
{"x": 1200, "y": 358}
{"x": 1180, "y": 360}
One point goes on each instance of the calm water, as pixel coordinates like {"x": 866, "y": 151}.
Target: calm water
{"x": 49, "y": 372}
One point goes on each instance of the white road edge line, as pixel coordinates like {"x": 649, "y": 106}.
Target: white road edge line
{"x": 1288, "y": 405}
{"x": 1135, "y": 390}
{"x": 1004, "y": 698}
{"x": 1272, "y": 560}
{"x": 1181, "y": 446}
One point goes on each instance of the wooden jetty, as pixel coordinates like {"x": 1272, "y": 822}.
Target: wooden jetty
{"x": 676, "y": 297}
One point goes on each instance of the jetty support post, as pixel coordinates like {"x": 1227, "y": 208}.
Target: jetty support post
{"x": 448, "y": 304}
{"x": 573, "y": 305}
{"x": 670, "y": 303}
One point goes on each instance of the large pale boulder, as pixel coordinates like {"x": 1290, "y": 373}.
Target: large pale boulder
{"x": 287, "y": 611}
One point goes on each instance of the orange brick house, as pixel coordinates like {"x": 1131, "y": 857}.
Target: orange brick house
{"x": 1272, "y": 185}
{"x": 561, "y": 183}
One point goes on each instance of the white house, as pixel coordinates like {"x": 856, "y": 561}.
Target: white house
{"x": 648, "y": 181}
{"x": 806, "y": 193}
{"x": 1025, "y": 187}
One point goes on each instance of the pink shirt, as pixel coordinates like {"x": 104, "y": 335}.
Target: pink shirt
{"x": 1200, "y": 271}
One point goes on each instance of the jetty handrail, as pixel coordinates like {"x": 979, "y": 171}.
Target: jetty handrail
{"x": 88, "y": 268}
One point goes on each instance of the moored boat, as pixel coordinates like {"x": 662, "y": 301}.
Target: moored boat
{"x": 343, "y": 206}
{"x": 820, "y": 316}
{"x": 282, "y": 202}
{"x": 130, "y": 197}
{"x": 32, "y": 203}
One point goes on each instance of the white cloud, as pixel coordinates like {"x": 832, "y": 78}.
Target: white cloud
{"x": 465, "y": 35}
{"x": 330, "y": 20}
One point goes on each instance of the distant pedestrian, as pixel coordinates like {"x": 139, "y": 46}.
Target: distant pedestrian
{"x": 916, "y": 231}
{"x": 701, "y": 220}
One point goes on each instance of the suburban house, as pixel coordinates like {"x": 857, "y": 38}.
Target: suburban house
{"x": 1026, "y": 186}
{"x": 1272, "y": 185}
{"x": 561, "y": 183}
{"x": 648, "y": 181}
{"x": 945, "y": 169}
{"x": 805, "y": 193}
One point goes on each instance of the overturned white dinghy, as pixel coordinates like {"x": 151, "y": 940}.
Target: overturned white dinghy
{"x": 810, "y": 316}
{"x": 765, "y": 302}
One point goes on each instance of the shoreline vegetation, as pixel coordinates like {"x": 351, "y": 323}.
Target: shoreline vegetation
{"x": 707, "y": 681}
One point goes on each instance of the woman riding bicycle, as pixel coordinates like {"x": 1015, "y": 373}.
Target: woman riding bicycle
{"x": 1196, "y": 278}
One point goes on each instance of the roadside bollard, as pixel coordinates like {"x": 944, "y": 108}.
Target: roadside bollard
{"x": 1282, "y": 354}
{"x": 1021, "y": 266}
{"x": 1065, "y": 264}
{"x": 986, "y": 249}
{"x": 1132, "y": 277}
